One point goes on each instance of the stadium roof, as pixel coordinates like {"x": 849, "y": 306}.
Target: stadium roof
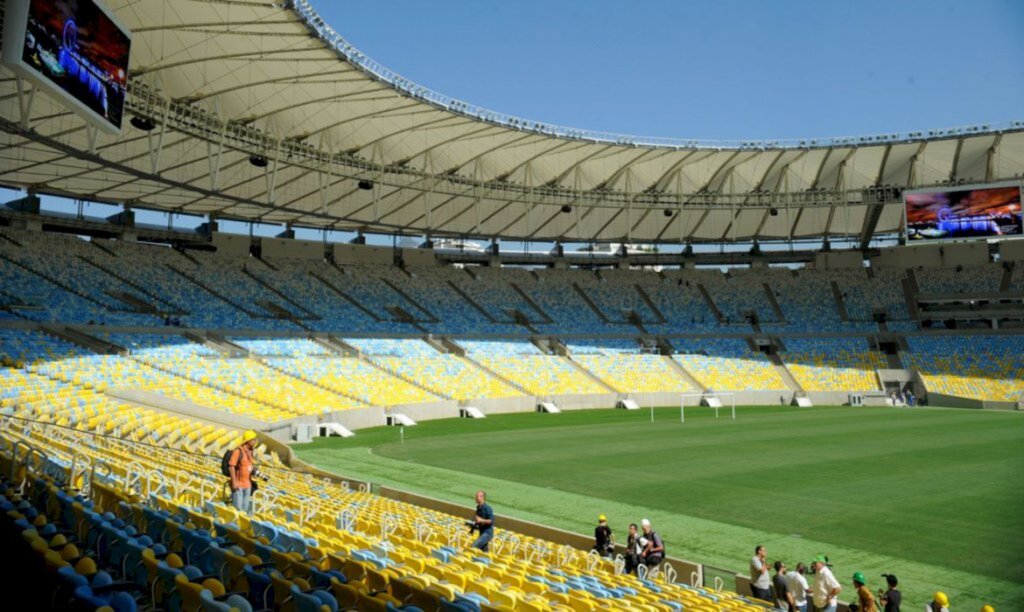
{"x": 227, "y": 80}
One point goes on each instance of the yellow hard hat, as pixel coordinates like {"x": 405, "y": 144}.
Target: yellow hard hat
{"x": 987, "y": 608}
{"x": 249, "y": 435}
{"x": 941, "y": 599}
{"x": 602, "y": 518}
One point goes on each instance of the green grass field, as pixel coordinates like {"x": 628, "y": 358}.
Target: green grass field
{"x": 932, "y": 495}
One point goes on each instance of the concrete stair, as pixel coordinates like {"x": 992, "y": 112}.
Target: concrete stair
{"x": 582, "y": 370}
{"x": 494, "y": 374}
{"x": 684, "y": 373}
{"x": 347, "y": 297}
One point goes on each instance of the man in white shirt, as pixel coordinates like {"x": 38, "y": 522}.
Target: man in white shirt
{"x": 826, "y": 588}
{"x": 798, "y": 587}
{"x": 760, "y": 581}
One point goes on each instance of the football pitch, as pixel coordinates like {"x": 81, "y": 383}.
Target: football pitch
{"x": 935, "y": 496}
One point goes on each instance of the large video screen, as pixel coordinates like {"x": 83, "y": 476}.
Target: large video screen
{"x": 77, "y": 49}
{"x": 964, "y": 213}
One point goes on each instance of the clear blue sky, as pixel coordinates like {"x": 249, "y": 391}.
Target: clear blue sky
{"x": 724, "y": 70}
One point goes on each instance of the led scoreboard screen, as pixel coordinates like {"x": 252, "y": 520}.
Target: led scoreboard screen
{"x": 984, "y": 212}
{"x": 74, "y": 49}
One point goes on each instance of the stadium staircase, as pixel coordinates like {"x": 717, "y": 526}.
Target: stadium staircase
{"x": 306, "y": 314}
{"x": 684, "y": 373}
{"x": 336, "y": 346}
{"x": 711, "y": 303}
{"x": 532, "y": 303}
{"x": 1007, "y": 279}
{"x": 56, "y": 282}
{"x": 837, "y": 295}
{"x": 379, "y": 366}
{"x": 217, "y": 294}
{"x": 431, "y": 317}
{"x": 473, "y": 303}
{"x": 347, "y": 297}
{"x": 82, "y": 339}
{"x": 910, "y": 291}
{"x": 590, "y": 303}
{"x": 310, "y": 381}
{"x": 582, "y": 370}
{"x": 221, "y": 345}
{"x": 486, "y": 370}
{"x": 773, "y": 302}
{"x": 780, "y": 366}
{"x": 163, "y": 305}
{"x": 452, "y": 346}
{"x": 650, "y": 304}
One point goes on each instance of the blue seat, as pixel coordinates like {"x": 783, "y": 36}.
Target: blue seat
{"x": 233, "y": 602}
{"x": 312, "y": 601}
{"x": 261, "y": 594}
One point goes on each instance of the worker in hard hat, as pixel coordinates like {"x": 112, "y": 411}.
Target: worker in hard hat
{"x": 604, "y": 541}
{"x": 865, "y": 600}
{"x": 940, "y": 603}
{"x": 240, "y": 469}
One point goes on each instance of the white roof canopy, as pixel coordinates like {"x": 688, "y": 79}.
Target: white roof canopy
{"x": 226, "y": 80}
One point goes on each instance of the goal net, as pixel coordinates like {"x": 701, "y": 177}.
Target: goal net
{"x": 717, "y": 401}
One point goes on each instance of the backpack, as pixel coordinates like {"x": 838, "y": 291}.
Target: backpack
{"x": 225, "y": 462}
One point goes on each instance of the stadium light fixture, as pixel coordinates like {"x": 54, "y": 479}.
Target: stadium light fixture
{"x": 566, "y": 208}
{"x": 668, "y": 212}
{"x": 259, "y": 161}
{"x": 365, "y": 185}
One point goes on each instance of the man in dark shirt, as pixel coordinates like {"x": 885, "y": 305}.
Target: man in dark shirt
{"x": 782, "y": 597}
{"x": 632, "y": 550}
{"x": 483, "y": 522}
{"x": 604, "y": 542}
{"x": 890, "y": 599}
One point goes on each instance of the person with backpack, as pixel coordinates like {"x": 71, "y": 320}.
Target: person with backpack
{"x": 654, "y": 548}
{"x": 238, "y": 466}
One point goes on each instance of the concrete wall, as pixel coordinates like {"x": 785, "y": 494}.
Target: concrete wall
{"x": 358, "y": 418}
{"x": 1011, "y": 250}
{"x": 362, "y": 254}
{"x": 232, "y": 244}
{"x": 419, "y": 257}
{"x": 430, "y": 411}
{"x": 295, "y": 249}
{"x": 945, "y": 255}
{"x": 839, "y": 259}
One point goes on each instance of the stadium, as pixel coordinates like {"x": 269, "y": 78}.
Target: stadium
{"x": 225, "y": 225}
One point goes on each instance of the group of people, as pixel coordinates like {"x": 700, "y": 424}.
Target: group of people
{"x": 643, "y": 545}
{"x": 793, "y": 593}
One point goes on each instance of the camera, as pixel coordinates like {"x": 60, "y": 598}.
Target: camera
{"x": 472, "y": 526}
{"x": 256, "y": 473}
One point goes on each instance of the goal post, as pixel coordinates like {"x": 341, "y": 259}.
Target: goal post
{"x": 711, "y": 400}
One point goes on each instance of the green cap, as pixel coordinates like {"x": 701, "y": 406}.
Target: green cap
{"x": 859, "y": 577}
{"x": 821, "y": 558}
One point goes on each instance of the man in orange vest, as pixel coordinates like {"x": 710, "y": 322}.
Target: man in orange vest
{"x": 241, "y": 467}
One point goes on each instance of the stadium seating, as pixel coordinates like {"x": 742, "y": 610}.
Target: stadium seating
{"x": 962, "y": 279}
{"x": 621, "y": 365}
{"x": 525, "y": 365}
{"x": 833, "y": 364}
{"x": 978, "y": 367}
{"x": 726, "y": 364}
{"x": 180, "y": 544}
